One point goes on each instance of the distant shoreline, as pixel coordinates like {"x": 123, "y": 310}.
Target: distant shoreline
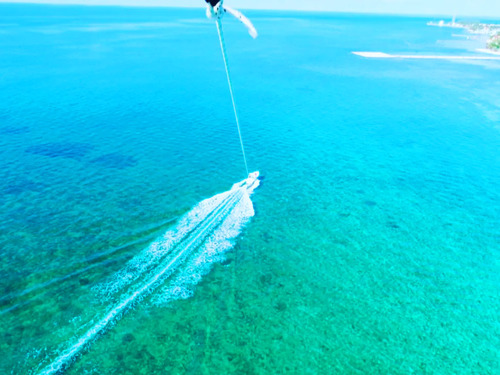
{"x": 490, "y": 29}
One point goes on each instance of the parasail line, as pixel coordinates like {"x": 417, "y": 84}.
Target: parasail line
{"x": 224, "y": 56}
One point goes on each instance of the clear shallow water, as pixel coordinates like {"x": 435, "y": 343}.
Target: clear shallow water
{"x": 375, "y": 244}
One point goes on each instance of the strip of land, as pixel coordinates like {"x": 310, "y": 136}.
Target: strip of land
{"x": 382, "y": 55}
{"x": 491, "y": 52}
{"x": 490, "y": 29}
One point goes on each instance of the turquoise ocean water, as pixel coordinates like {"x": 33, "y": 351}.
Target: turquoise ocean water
{"x": 375, "y": 244}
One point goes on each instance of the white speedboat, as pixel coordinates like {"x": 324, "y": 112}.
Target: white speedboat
{"x": 250, "y": 183}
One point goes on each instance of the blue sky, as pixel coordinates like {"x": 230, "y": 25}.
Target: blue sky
{"x": 462, "y": 8}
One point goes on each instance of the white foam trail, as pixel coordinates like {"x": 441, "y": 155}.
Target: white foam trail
{"x": 212, "y": 251}
{"x": 152, "y": 255}
{"x": 207, "y": 230}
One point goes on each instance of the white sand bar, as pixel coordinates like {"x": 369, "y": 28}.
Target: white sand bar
{"x": 382, "y": 55}
{"x": 489, "y": 51}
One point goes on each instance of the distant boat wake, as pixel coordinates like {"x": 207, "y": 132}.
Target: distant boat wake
{"x": 172, "y": 265}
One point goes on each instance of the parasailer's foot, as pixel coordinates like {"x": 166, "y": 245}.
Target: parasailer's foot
{"x": 214, "y": 9}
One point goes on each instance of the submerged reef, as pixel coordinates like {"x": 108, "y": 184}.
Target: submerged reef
{"x": 115, "y": 160}
{"x": 69, "y": 150}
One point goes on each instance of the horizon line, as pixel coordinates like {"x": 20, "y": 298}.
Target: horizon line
{"x": 116, "y": 3}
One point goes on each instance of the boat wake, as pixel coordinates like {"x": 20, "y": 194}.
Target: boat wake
{"x": 172, "y": 265}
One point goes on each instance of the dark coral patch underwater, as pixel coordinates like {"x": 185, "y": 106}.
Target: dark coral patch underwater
{"x": 70, "y": 150}
{"x": 21, "y": 186}
{"x": 115, "y": 160}
{"x": 14, "y": 130}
